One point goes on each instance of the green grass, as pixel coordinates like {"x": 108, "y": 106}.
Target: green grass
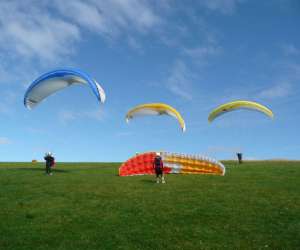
{"x": 87, "y": 206}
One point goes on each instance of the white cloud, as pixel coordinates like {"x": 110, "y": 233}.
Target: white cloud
{"x": 50, "y": 30}
{"x": 7, "y": 102}
{"x": 34, "y": 32}
{"x": 276, "y": 91}
{"x": 138, "y": 14}
{"x": 134, "y": 44}
{"x": 179, "y": 80}
{"x": 223, "y": 6}
{"x": 290, "y": 50}
{"x": 294, "y": 71}
{"x": 4, "y": 73}
{"x": 201, "y": 54}
{"x": 4, "y": 140}
{"x": 98, "y": 114}
{"x": 18, "y": 72}
{"x": 85, "y": 14}
{"x": 285, "y": 83}
{"x": 67, "y": 116}
{"x": 4, "y": 109}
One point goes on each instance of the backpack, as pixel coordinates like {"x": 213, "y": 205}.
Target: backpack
{"x": 53, "y": 163}
{"x": 157, "y": 162}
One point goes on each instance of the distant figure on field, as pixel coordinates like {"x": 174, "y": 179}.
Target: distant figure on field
{"x": 240, "y": 157}
{"x": 50, "y": 162}
{"x": 159, "y": 168}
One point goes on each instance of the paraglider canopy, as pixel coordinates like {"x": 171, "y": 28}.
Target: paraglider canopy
{"x": 174, "y": 163}
{"x": 56, "y": 80}
{"x": 230, "y": 106}
{"x": 155, "y": 109}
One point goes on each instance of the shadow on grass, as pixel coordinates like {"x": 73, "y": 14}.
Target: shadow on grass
{"x": 148, "y": 181}
{"x": 58, "y": 170}
{"x": 41, "y": 170}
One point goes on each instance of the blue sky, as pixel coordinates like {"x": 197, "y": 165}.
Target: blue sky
{"x": 192, "y": 55}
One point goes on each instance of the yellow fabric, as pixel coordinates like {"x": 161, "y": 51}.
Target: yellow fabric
{"x": 237, "y": 105}
{"x": 192, "y": 165}
{"x": 160, "y": 108}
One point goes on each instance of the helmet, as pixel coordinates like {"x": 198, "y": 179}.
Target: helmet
{"x": 48, "y": 154}
{"x": 157, "y": 153}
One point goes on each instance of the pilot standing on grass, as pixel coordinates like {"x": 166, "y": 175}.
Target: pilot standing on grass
{"x": 240, "y": 156}
{"x": 159, "y": 168}
{"x": 50, "y": 161}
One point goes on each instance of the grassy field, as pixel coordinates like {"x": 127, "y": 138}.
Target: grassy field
{"x": 87, "y": 206}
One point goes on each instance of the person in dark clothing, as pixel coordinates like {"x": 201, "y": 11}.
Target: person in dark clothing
{"x": 50, "y": 161}
{"x": 240, "y": 157}
{"x": 159, "y": 168}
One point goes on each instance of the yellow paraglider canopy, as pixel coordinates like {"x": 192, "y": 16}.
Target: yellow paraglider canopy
{"x": 230, "y": 106}
{"x": 155, "y": 109}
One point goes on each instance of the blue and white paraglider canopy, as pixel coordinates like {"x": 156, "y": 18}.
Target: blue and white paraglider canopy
{"x": 56, "y": 80}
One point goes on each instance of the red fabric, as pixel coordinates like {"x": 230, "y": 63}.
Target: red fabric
{"x": 137, "y": 165}
{"x": 141, "y": 164}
